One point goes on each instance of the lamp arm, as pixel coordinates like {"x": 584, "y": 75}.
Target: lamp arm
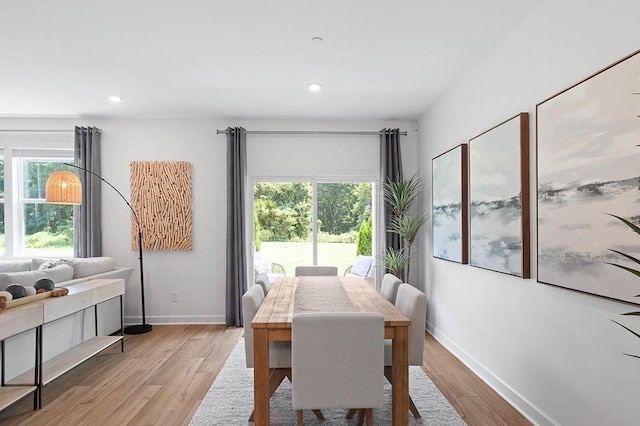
{"x": 144, "y": 327}
{"x": 135, "y": 215}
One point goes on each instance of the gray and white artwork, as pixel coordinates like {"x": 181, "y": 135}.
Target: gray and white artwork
{"x": 495, "y": 192}
{"x": 449, "y": 240}
{"x": 589, "y": 165}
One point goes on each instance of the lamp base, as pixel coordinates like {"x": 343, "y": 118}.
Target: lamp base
{"x": 138, "y": 329}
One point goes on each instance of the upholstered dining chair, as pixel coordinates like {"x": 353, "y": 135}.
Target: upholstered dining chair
{"x": 263, "y": 281}
{"x": 389, "y": 287}
{"x": 337, "y": 358}
{"x": 279, "y": 352}
{"x": 316, "y": 271}
{"x": 413, "y": 303}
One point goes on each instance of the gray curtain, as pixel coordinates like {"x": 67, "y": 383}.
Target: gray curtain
{"x": 236, "y": 254}
{"x": 390, "y": 169}
{"x": 88, "y": 216}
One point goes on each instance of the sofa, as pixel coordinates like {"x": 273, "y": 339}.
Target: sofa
{"x": 62, "y": 334}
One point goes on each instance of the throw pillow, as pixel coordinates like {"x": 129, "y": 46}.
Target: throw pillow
{"x": 84, "y": 267}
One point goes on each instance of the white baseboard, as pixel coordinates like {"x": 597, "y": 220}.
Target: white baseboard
{"x": 178, "y": 319}
{"x": 528, "y": 410}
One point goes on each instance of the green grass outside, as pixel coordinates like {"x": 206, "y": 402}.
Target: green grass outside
{"x": 292, "y": 254}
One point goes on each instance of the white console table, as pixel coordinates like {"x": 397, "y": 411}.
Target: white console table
{"x": 81, "y": 296}
{"x": 15, "y": 321}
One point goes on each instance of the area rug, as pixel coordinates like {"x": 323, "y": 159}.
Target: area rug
{"x": 229, "y": 401}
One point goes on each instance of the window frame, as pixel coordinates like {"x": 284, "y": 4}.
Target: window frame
{"x": 314, "y": 181}
{"x": 13, "y": 154}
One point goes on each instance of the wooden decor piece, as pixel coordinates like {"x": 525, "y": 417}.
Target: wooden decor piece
{"x": 41, "y": 295}
{"x": 161, "y": 195}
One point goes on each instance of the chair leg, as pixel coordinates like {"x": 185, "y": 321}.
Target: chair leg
{"x": 412, "y": 406}
{"x": 369, "y": 414}
{"x": 317, "y": 413}
{"x": 276, "y": 376}
{"x": 351, "y": 413}
{"x": 360, "y": 417}
{"x": 300, "y": 419}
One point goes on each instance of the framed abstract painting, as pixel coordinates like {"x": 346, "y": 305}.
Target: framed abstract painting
{"x": 588, "y": 139}
{"x": 450, "y": 200}
{"x": 499, "y": 197}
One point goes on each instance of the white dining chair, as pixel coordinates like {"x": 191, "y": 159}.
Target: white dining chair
{"x": 413, "y": 303}
{"x": 279, "y": 352}
{"x": 389, "y": 287}
{"x": 337, "y": 359}
{"x": 263, "y": 281}
{"x": 316, "y": 271}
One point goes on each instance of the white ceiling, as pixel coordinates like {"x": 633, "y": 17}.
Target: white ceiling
{"x": 380, "y": 59}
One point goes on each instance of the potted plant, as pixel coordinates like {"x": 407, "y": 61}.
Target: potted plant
{"x": 636, "y": 272}
{"x": 400, "y": 194}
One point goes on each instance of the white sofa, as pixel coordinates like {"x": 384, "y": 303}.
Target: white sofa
{"x": 69, "y": 331}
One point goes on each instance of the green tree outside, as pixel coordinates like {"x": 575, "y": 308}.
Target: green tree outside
{"x": 283, "y": 210}
{"x": 364, "y": 238}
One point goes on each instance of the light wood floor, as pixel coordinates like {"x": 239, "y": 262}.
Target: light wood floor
{"x": 162, "y": 377}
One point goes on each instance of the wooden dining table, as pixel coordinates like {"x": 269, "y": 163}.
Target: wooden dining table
{"x": 272, "y": 322}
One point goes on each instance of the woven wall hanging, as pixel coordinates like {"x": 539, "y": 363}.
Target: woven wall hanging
{"x": 161, "y": 196}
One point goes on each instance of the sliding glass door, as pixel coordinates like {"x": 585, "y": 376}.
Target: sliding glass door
{"x": 310, "y": 222}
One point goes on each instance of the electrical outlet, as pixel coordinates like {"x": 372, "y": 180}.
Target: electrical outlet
{"x": 174, "y": 296}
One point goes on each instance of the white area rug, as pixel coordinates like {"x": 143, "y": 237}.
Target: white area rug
{"x": 229, "y": 401}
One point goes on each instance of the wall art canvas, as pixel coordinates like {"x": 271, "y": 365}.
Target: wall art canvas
{"x": 588, "y": 166}
{"x": 449, "y": 201}
{"x": 499, "y": 197}
{"x": 161, "y": 196}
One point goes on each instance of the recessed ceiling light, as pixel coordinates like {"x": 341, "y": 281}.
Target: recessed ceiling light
{"x": 317, "y": 39}
{"x": 314, "y": 87}
{"x": 115, "y": 98}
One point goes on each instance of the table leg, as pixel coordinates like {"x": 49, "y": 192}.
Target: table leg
{"x": 400, "y": 372}
{"x": 261, "y": 376}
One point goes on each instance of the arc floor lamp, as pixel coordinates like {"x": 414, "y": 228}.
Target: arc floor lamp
{"x": 64, "y": 187}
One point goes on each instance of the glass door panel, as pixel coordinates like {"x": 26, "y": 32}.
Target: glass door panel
{"x": 285, "y": 214}
{"x": 282, "y": 225}
{"x": 342, "y": 209}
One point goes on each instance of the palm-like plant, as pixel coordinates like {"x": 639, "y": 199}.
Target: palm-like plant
{"x": 395, "y": 261}
{"x": 400, "y": 194}
{"x": 636, "y": 272}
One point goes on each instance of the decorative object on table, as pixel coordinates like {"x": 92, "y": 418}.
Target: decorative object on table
{"x": 400, "y": 195}
{"x": 44, "y": 284}
{"x": 588, "y": 159}
{"x": 499, "y": 198}
{"x": 9, "y": 300}
{"x": 450, "y": 193}
{"x": 161, "y": 192}
{"x": 63, "y": 188}
{"x": 16, "y": 290}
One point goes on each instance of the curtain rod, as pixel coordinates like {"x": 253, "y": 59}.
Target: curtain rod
{"x": 35, "y": 131}
{"x": 308, "y": 132}
{"x": 39, "y": 131}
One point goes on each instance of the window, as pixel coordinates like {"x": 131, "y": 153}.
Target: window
{"x": 30, "y": 227}
{"x": 312, "y": 223}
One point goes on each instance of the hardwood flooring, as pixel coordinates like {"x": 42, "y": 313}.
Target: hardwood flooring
{"x": 162, "y": 377}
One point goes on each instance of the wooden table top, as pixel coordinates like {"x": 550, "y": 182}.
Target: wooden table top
{"x": 277, "y": 308}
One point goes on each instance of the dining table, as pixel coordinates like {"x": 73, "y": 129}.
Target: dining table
{"x": 291, "y": 295}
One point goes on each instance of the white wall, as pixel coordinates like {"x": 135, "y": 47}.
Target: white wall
{"x": 199, "y": 275}
{"x": 552, "y": 352}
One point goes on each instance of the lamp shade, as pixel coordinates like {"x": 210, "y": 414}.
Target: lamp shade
{"x": 63, "y": 187}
